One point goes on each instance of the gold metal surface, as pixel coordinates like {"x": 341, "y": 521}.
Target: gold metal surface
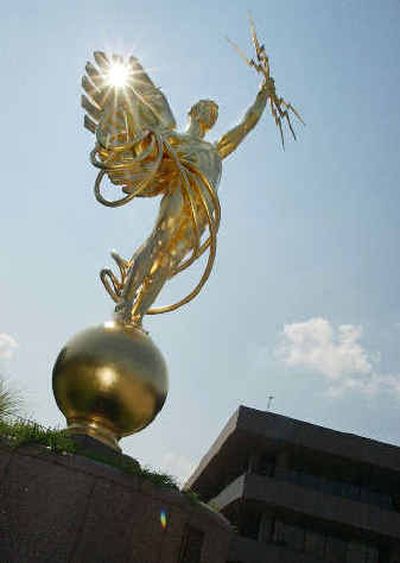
{"x": 140, "y": 152}
{"x": 110, "y": 381}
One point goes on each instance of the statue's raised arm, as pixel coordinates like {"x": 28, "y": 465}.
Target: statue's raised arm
{"x": 232, "y": 139}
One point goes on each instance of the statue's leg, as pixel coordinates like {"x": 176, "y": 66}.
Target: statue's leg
{"x": 149, "y": 291}
{"x": 180, "y": 244}
{"x": 150, "y": 254}
{"x": 161, "y": 272}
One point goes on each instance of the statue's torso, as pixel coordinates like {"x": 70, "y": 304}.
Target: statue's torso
{"x": 182, "y": 151}
{"x": 200, "y": 153}
{"x": 191, "y": 151}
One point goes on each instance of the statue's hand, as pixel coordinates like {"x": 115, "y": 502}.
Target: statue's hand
{"x": 268, "y": 86}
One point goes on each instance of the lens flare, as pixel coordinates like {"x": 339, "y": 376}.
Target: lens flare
{"x": 163, "y": 519}
{"x": 118, "y": 75}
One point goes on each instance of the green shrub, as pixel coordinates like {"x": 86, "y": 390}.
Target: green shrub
{"x": 21, "y": 432}
{"x": 10, "y": 401}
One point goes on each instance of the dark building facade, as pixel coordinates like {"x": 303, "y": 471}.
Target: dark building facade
{"x": 296, "y": 492}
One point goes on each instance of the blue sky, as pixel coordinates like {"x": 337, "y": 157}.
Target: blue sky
{"x": 303, "y": 302}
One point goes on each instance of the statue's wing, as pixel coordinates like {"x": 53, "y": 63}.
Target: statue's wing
{"x": 135, "y": 106}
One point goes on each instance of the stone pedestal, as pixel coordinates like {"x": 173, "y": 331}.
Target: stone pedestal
{"x": 59, "y": 508}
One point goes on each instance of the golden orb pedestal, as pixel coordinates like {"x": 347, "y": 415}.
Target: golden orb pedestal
{"x": 110, "y": 381}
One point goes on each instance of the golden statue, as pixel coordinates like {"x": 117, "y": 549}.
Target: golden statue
{"x": 111, "y": 380}
{"x": 139, "y": 149}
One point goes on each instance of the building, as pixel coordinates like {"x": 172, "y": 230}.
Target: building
{"x": 297, "y": 492}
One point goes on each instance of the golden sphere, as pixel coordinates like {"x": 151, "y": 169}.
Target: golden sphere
{"x": 110, "y": 381}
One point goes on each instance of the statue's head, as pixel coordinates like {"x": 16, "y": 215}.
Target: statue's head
{"x": 205, "y": 113}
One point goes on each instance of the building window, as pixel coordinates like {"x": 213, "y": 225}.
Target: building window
{"x": 266, "y": 466}
{"x": 266, "y": 528}
{"x": 343, "y": 488}
{"x": 361, "y": 553}
{"x": 289, "y": 535}
{"x": 191, "y": 545}
{"x": 250, "y": 525}
{"x": 314, "y": 543}
{"x": 396, "y": 501}
{"x": 319, "y": 545}
{"x": 336, "y": 550}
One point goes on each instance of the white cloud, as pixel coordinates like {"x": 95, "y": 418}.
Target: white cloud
{"x": 7, "y": 346}
{"x": 337, "y": 354}
{"x": 316, "y": 345}
{"x": 177, "y": 466}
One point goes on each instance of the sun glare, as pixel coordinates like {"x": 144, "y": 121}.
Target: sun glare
{"x": 118, "y": 75}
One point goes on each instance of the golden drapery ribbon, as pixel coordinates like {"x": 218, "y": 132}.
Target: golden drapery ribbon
{"x": 143, "y": 165}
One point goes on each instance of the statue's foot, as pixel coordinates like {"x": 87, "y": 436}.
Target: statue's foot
{"x": 122, "y": 312}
